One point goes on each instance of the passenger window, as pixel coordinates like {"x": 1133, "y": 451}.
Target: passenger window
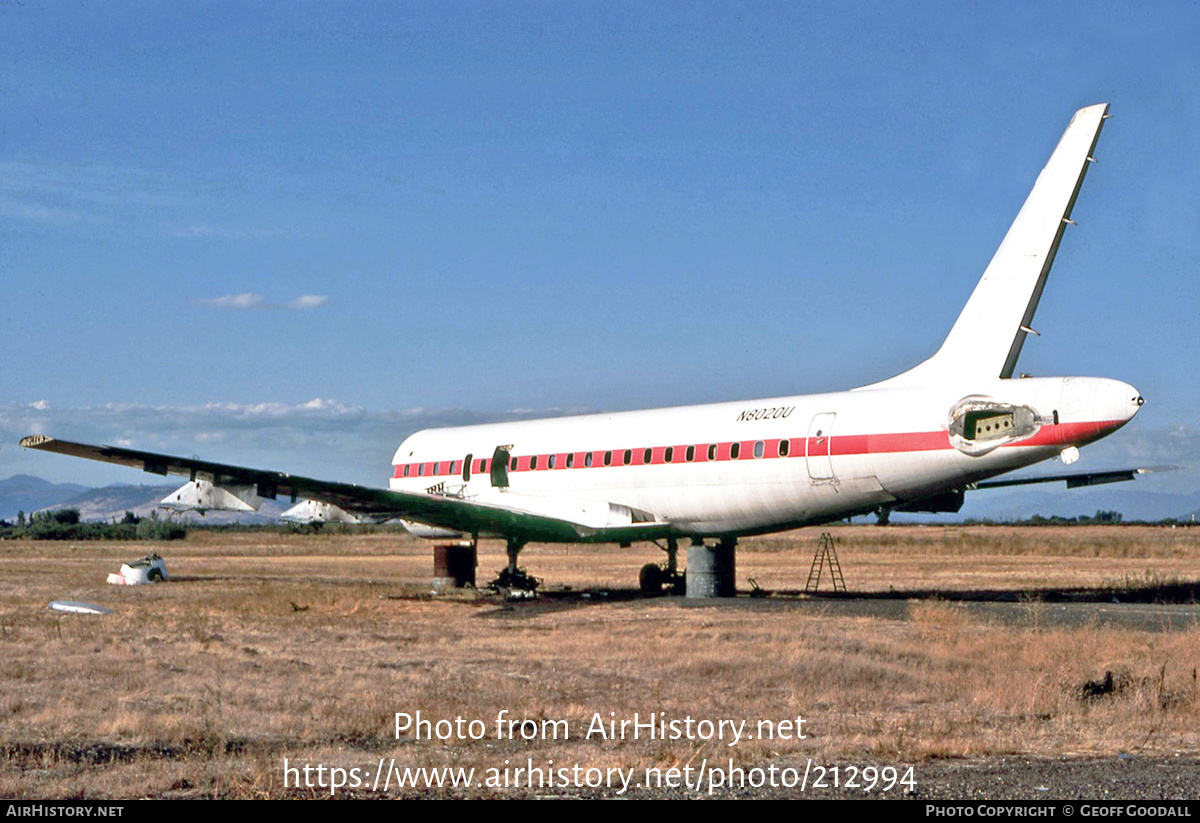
{"x": 669, "y": 455}
{"x": 735, "y": 449}
{"x": 712, "y": 451}
{"x": 648, "y": 456}
{"x": 406, "y": 468}
{"x": 759, "y": 448}
{"x": 552, "y": 460}
{"x": 784, "y": 446}
{"x": 421, "y": 470}
{"x": 690, "y": 454}
{"x": 628, "y": 456}
{"x": 587, "y": 460}
{"x": 482, "y": 466}
{"x": 513, "y": 466}
{"x": 533, "y": 463}
{"x": 571, "y": 460}
{"x": 608, "y": 458}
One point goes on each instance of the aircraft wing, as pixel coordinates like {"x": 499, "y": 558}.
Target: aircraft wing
{"x": 513, "y": 516}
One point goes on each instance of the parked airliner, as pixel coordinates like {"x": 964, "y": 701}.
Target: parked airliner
{"x": 915, "y": 442}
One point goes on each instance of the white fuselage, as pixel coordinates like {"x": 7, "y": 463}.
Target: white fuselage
{"x": 766, "y": 465}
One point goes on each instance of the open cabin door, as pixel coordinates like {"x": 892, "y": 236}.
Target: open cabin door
{"x": 499, "y": 472}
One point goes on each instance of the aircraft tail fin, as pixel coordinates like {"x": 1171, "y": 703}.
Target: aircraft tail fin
{"x": 989, "y": 333}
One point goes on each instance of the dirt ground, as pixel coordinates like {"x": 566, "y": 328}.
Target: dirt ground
{"x": 993, "y": 662}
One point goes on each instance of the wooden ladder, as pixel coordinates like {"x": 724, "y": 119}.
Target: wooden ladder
{"x": 826, "y": 553}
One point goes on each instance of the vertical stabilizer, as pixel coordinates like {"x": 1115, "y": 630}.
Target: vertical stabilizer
{"x": 986, "y": 339}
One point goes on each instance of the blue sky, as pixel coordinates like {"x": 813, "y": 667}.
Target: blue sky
{"x": 288, "y": 235}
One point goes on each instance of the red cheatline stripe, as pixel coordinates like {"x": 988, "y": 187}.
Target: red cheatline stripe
{"x": 837, "y": 445}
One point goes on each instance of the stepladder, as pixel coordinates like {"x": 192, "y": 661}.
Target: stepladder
{"x": 825, "y": 555}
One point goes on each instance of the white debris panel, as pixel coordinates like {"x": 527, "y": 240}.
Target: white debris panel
{"x": 150, "y": 569}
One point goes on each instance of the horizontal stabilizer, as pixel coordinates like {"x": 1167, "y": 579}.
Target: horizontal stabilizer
{"x": 1074, "y": 480}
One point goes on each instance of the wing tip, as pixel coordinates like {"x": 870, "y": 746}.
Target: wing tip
{"x": 35, "y": 441}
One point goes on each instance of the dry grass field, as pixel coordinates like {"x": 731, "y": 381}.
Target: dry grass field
{"x": 264, "y": 647}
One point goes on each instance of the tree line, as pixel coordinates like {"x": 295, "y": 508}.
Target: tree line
{"x": 66, "y": 524}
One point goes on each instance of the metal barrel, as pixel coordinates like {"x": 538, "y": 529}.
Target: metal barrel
{"x": 453, "y": 566}
{"x": 710, "y": 571}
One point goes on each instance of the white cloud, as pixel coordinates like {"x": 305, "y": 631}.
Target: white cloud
{"x": 321, "y": 437}
{"x": 307, "y": 301}
{"x": 246, "y": 300}
{"x": 209, "y": 230}
{"x": 34, "y": 211}
{"x": 249, "y": 300}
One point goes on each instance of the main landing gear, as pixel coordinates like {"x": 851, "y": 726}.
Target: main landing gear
{"x": 516, "y": 583}
{"x": 655, "y": 579}
{"x": 710, "y": 570}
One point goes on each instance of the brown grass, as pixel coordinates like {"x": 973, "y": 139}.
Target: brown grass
{"x": 201, "y": 686}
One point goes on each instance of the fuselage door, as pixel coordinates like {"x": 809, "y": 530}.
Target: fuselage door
{"x": 499, "y": 472}
{"x": 817, "y": 446}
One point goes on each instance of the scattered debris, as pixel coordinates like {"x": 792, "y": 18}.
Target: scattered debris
{"x": 1113, "y": 684}
{"x": 1098, "y": 688}
{"x": 76, "y": 607}
{"x": 150, "y": 569}
{"x": 515, "y": 584}
{"x": 296, "y": 608}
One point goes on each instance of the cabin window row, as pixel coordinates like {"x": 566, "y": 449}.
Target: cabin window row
{"x": 628, "y": 457}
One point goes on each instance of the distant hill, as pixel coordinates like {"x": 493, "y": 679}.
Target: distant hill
{"x": 111, "y": 502}
{"x": 31, "y": 494}
{"x": 23, "y": 492}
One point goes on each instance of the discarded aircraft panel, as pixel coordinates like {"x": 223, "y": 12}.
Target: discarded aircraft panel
{"x": 76, "y": 607}
{"x": 150, "y": 569}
